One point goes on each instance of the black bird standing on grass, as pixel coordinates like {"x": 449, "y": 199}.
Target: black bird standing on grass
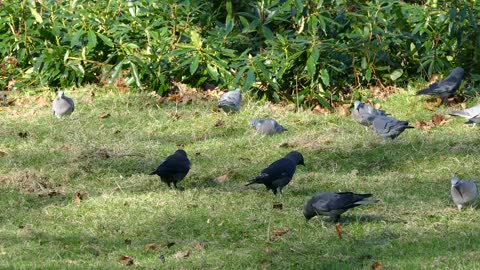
{"x": 334, "y": 204}
{"x": 447, "y": 87}
{"x": 174, "y": 168}
{"x": 276, "y": 176}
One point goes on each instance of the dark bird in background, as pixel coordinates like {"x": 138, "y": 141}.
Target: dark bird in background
{"x": 276, "y": 176}
{"x": 447, "y": 87}
{"x": 389, "y": 127}
{"x": 174, "y": 168}
{"x": 334, "y": 204}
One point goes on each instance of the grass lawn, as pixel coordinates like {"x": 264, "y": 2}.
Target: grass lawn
{"x": 106, "y": 148}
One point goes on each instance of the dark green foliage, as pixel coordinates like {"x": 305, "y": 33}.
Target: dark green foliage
{"x": 315, "y": 51}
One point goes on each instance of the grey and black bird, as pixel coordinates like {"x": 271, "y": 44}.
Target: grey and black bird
{"x": 463, "y": 192}
{"x": 446, "y": 88}
{"x": 231, "y": 101}
{"x": 364, "y": 113}
{"x": 472, "y": 114}
{"x": 389, "y": 127}
{"x": 267, "y": 126}
{"x": 62, "y": 105}
{"x": 334, "y": 204}
{"x": 276, "y": 176}
{"x": 174, "y": 168}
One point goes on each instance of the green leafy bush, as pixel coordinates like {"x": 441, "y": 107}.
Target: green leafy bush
{"x": 306, "y": 52}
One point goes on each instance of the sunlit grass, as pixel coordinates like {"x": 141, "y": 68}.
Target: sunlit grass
{"x": 228, "y": 226}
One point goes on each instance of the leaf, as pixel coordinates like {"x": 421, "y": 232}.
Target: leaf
{"x": 325, "y": 77}
{"x": 278, "y": 206}
{"x": 320, "y": 110}
{"x": 182, "y": 254}
{"x": 219, "y": 123}
{"x": 106, "y": 40}
{"x": 194, "y": 64}
{"x": 77, "y": 198}
{"x": 421, "y": 124}
{"x": 126, "y": 260}
{"x": 338, "y": 230}
{"x": 377, "y": 266}
{"x": 2, "y": 154}
{"x": 279, "y": 232}
{"x": 36, "y": 15}
{"x": 296, "y": 120}
{"x": 104, "y": 115}
{"x": 221, "y": 179}
{"x": 437, "y": 119}
{"x": 428, "y": 107}
{"x": 397, "y": 73}
{"x": 368, "y": 74}
{"x": 150, "y": 247}
{"x": 196, "y": 41}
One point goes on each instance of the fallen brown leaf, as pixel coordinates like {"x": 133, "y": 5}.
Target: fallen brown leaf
{"x": 221, "y": 179}
{"x": 320, "y": 110}
{"x": 150, "y": 247}
{"x": 126, "y": 260}
{"x": 279, "y": 232}
{"x": 104, "y": 115}
{"x": 421, "y": 124}
{"x": 343, "y": 110}
{"x": 2, "y": 154}
{"x": 219, "y": 123}
{"x": 442, "y": 157}
{"x": 182, "y": 254}
{"x": 428, "y": 107}
{"x": 77, "y": 197}
{"x": 338, "y": 230}
{"x": 437, "y": 119}
{"x": 296, "y": 120}
{"x": 377, "y": 266}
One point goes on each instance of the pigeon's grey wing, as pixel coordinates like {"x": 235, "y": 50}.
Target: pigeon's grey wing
{"x": 468, "y": 113}
{"x": 469, "y": 191}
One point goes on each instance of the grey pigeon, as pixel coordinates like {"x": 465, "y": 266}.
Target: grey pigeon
{"x": 474, "y": 121}
{"x": 463, "y": 192}
{"x": 62, "y": 105}
{"x": 334, "y": 204}
{"x": 447, "y": 87}
{"x": 230, "y": 101}
{"x": 276, "y": 176}
{"x": 362, "y": 113}
{"x": 389, "y": 127}
{"x": 267, "y": 126}
{"x": 471, "y": 114}
{"x": 174, "y": 168}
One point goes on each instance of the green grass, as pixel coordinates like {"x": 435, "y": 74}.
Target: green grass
{"x": 414, "y": 226}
